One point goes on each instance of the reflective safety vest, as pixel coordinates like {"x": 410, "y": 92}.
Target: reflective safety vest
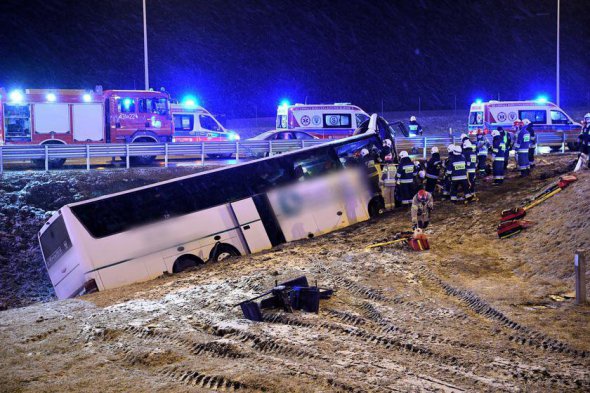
{"x": 406, "y": 171}
{"x": 388, "y": 175}
{"x": 457, "y": 167}
{"x": 498, "y": 148}
{"x": 471, "y": 160}
{"x": 523, "y": 141}
{"x": 482, "y": 147}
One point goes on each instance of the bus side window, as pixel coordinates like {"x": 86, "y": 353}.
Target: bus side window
{"x": 208, "y": 123}
{"x": 558, "y": 117}
{"x": 314, "y": 165}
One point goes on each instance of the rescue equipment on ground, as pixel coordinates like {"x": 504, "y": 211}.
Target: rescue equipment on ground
{"x": 416, "y": 240}
{"x": 290, "y": 295}
{"x": 520, "y": 212}
{"x": 511, "y": 228}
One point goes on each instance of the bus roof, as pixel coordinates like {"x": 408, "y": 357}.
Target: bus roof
{"x": 335, "y": 142}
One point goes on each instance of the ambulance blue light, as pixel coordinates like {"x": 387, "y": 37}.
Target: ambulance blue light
{"x": 16, "y": 96}
{"x": 189, "y": 102}
{"x": 233, "y": 136}
{"x": 51, "y": 97}
{"x": 285, "y": 103}
{"x": 87, "y": 97}
{"x": 541, "y": 100}
{"x": 478, "y": 101}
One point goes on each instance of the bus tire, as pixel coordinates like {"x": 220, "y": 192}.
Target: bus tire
{"x": 376, "y": 207}
{"x": 185, "y": 262}
{"x": 223, "y": 251}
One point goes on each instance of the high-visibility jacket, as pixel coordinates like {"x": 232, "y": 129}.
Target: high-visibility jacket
{"x": 483, "y": 146}
{"x": 523, "y": 140}
{"x": 470, "y": 160}
{"x": 457, "y": 167}
{"x": 406, "y": 171}
{"x": 433, "y": 166}
{"x": 498, "y": 148}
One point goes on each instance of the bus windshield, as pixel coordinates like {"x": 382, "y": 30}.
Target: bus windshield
{"x": 55, "y": 241}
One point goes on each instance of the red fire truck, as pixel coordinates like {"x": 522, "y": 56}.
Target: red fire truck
{"x": 61, "y": 116}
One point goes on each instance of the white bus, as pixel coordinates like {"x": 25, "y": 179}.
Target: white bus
{"x": 170, "y": 226}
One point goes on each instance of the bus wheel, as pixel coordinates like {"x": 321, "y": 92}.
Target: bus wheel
{"x": 185, "y": 262}
{"x": 224, "y": 251}
{"x": 376, "y": 207}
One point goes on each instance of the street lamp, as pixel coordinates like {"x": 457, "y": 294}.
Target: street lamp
{"x": 557, "y": 76}
{"x": 145, "y": 49}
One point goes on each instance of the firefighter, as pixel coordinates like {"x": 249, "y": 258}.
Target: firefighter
{"x": 522, "y": 147}
{"x": 464, "y": 137}
{"x": 532, "y": 146}
{"x": 386, "y": 155}
{"x": 422, "y": 205}
{"x": 432, "y": 170}
{"x": 406, "y": 171}
{"x": 415, "y": 127}
{"x": 584, "y": 144}
{"x": 457, "y": 169}
{"x": 471, "y": 161}
{"x": 498, "y": 156}
{"x": 508, "y": 143}
{"x": 482, "y": 148}
{"x": 446, "y": 177}
{"x": 372, "y": 171}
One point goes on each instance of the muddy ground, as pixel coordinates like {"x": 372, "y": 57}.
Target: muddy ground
{"x": 475, "y": 313}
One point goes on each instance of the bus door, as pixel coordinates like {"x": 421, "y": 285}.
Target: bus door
{"x": 251, "y": 226}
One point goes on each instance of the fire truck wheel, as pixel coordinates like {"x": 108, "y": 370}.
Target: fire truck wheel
{"x": 142, "y": 160}
{"x": 185, "y": 262}
{"x": 220, "y": 156}
{"x": 224, "y": 251}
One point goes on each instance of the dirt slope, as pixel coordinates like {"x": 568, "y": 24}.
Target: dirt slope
{"x": 472, "y": 314}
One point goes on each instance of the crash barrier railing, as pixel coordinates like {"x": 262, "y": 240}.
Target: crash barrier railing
{"x": 45, "y": 155}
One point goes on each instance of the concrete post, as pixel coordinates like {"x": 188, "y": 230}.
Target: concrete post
{"x": 424, "y": 149}
{"x": 580, "y": 274}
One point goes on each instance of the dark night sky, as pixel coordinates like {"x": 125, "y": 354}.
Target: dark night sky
{"x": 240, "y": 55}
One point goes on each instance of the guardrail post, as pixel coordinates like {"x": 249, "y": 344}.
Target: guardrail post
{"x": 127, "y": 155}
{"x": 303, "y": 143}
{"x": 237, "y": 151}
{"x": 87, "y": 157}
{"x": 202, "y": 153}
{"x": 450, "y": 131}
{"x": 1, "y": 160}
{"x": 166, "y": 155}
{"x": 424, "y": 148}
{"x": 46, "y": 157}
{"x": 563, "y": 142}
{"x": 270, "y": 148}
{"x": 580, "y": 274}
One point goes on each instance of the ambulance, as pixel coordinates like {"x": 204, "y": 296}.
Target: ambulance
{"x": 545, "y": 115}
{"x": 324, "y": 121}
{"x": 193, "y": 123}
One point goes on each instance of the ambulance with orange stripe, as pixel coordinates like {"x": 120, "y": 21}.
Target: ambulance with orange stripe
{"x": 325, "y": 121}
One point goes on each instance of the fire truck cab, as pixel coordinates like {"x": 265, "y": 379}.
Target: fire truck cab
{"x": 72, "y": 116}
{"x": 546, "y": 116}
{"x": 330, "y": 121}
{"x": 193, "y": 123}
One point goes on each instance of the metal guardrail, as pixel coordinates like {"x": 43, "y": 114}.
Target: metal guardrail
{"x": 43, "y": 154}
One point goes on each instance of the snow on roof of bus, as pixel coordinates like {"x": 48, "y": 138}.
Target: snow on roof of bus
{"x": 292, "y": 152}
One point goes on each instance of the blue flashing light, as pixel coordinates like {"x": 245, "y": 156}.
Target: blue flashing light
{"x": 51, "y": 97}
{"x": 285, "y": 103}
{"x": 16, "y": 96}
{"x": 127, "y": 103}
{"x": 87, "y": 97}
{"x": 541, "y": 100}
{"x": 478, "y": 101}
{"x": 190, "y": 102}
{"x": 233, "y": 136}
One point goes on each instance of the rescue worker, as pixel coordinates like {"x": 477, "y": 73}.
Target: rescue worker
{"x": 522, "y": 147}
{"x": 422, "y": 205}
{"x": 386, "y": 155}
{"x": 457, "y": 169}
{"x": 508, "y": 143}
{"x": 532, "y": 147}
{"x": 432, "y": 170}
{"x": 372, "y": 171}
{"x": 498, "y": 156}
{"x": 482, "y": 148}
{"x": 584, "y": 145}
{"x": 446, "y": 177}
{"x": 406, "y": 171}
{"x": 414, "y": 127}
{"x": 464, "y": 137}
{"x": 471, "y": 161}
